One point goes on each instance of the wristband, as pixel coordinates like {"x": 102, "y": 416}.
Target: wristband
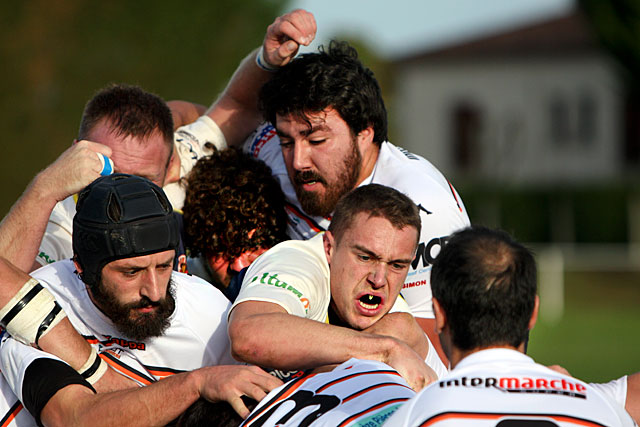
{"x": 94, "y": 368}
{"x": 107, "y": 164}
{"x": 260, "y": 62}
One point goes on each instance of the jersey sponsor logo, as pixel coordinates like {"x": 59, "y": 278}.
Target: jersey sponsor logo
{"x": 317, "y": 404}
{"x": 428, "y": 253}
{"x": 414, "y": 284}
{"x": 43, "y": 256}
{"x": 133, "y": 345}
{"x": 380, "y": 417}
{"x": 272, "y": 280}
{"x": 267, "y": 133}
{"x": 559, "y": 386}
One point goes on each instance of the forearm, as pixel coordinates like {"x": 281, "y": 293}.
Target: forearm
{"x": 157, "y": 404}
{"x": 236, "y": 110}
{"x": 22, "y": 228}
{"x": 283, "y": 341}
{"x": 632, "y": 404}
{"x": 402, "y": 326}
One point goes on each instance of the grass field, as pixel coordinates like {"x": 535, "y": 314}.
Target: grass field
{"x": 598, "y": 338}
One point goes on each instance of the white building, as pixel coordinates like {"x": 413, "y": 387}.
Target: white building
{"x": 542, "y": 104}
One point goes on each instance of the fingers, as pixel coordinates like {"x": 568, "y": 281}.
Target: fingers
{"x": 238, "y": 405}
{"x": 286, "y": 34}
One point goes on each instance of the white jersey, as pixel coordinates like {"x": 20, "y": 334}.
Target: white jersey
{"x": 189, "y": 142}
{"x": 441, "y": 209}
{"x": 295, "y": 275}
{"x": 197, "y": 335}
{"x": 356, "y": 393}
{"x": 495, "y": 387}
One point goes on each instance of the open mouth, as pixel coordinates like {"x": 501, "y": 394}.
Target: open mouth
{"x": 370, "y": 302}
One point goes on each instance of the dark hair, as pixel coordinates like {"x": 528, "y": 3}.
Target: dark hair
{"x": 377, "y": 201}
{"x": 331, "y": 78}
{"x": 205, "y": 413}
{"x": 130, "y": 110}
{"x": 229, "y": 194}
{"x": 486, "y": 283}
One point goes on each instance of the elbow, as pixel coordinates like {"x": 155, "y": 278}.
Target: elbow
{"x": 243, "y": 345}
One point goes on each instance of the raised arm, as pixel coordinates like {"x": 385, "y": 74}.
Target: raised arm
{"x": 236, "y": 110}
{"x": 264, "y": 334}
{"x": 22, "y": 228}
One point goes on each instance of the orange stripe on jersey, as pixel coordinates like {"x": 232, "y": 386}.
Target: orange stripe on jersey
{"x": 455, "y": 196}
{"x": 11, "y": 414}
{"x": 125, "y": 370}
{"x": 298, "y": 213}
{"x": 345, "y": 378}
{"x": 288, "y": 391}
{"x": 373, "y": 387}
{"x": 495, "y": 416}
{"x": 373, "y": 408}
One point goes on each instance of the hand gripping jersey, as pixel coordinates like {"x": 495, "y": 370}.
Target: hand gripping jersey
{"x": 503, "y": 388}
{"x": 295, "y": 275}
{"x": 189, "y": 142}
{"x": 357, "y": 393}
{"x": 441, "y": 209}
{"x": 197, "y": 335}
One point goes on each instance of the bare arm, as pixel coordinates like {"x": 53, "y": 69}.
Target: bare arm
{"x": 404, "y": 327}
{"x": 184, "y": 112}
{"x": 62, "y": 340}
{"x": 22, "y": 229}
{"x": 236, "y": 110}
{"x": 159, "y": 403}
{"x": 633, "y": 396}
{"x": 429, "y": 328}
{"x": 263, "y": 333}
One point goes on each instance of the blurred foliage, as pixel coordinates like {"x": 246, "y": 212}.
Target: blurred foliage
{"x": 55, "y": 55}
{"x": 586, "y": 214}
{"x": 617, "y": 25}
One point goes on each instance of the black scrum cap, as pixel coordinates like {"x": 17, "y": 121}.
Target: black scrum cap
{"x": 121, "y": 216}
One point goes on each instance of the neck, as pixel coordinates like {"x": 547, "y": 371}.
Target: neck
{"x": 369, "y": 159}
{"x": 457, "y": 355}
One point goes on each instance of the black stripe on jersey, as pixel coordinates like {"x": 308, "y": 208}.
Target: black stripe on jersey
{"x": 276, "y": 398}
{"x": 126, "y": 367}
{"x": 372, "y": 408}
{"x": 357, "y": 374}
{"x": 11, "y": 414}
{"x": 163, "y": 369}
{"x": 372, "y": 387}
{"x": 505, "y": 415}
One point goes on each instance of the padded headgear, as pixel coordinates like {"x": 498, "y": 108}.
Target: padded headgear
{"x": 121, "y": 216}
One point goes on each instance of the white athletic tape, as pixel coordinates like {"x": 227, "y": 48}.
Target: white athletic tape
{"x": 31, "y": 313}
{"x": 261, "y": 63}
{"x": 94, "y": 368}
{"x": 107, "y": 164}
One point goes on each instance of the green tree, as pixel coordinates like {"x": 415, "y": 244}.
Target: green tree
{"x": 55, "y": 55}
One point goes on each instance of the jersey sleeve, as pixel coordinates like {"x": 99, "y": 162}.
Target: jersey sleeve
{"x": 56, "y": 243}
{"x": 294, "y": 279}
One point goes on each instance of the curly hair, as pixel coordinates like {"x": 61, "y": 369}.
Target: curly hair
{"x": 331, "y": 78}
{"x": 229, "y": 194}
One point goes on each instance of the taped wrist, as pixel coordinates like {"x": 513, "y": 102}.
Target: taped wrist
{"x": 31, "y": 313}
{"x": 261, "y": 63}
{"x": 94, "y": 368}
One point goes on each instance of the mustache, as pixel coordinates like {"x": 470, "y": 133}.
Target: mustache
{"x": 301, "y": 177}
{"x": 143, "y": 302}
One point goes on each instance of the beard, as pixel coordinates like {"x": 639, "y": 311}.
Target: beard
{"x": 135, "y": 325}
{"x": 316, "y": 204}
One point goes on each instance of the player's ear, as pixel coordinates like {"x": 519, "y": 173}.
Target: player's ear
{"x": 441, "y": 317}
{"x": 365, "y": 137}
{"x": 534, "y": 315}
{"x": 328, "y": 240}
{"x": 77, "y": 265}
